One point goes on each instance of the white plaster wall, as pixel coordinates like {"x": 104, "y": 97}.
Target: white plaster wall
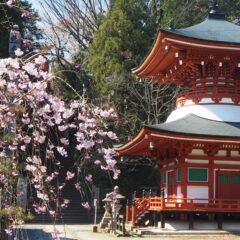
{"x": 222, "y": 153}
{"x": 197, "y": 152}
{"x": 197, "y": 192}
{"x": 199, "y": 161}
{"x": 235, "y": 153}
{"x": 226, "y": 162}
{"x": 217, "y": 112}
{"x": 179, "y": 194}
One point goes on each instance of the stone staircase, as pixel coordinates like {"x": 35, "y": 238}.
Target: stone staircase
{"x": 144, "y": 220}
{"x": 74, "y": 213}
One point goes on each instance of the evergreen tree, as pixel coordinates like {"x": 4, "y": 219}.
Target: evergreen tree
{"x": 123, "y": 39}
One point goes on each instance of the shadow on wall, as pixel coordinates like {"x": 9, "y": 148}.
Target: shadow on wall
{"x": 36, "y": 234}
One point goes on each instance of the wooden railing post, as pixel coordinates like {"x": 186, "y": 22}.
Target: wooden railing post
{"x": 162, "y": 199}
{"x": 127, "y": 212}
{"x": 150, "y": 193}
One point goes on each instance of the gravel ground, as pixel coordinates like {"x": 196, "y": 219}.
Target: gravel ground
{"x": 84, "y": 232}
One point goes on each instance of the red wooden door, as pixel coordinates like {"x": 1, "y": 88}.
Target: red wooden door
{"x": 228, "y": 184}
{"x": 171, "y": 184}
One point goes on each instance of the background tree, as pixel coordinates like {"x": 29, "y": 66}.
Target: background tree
{"x": 184, "y": 13}
{"x": 123, "y": 39}
{"x": 23, "y": 15}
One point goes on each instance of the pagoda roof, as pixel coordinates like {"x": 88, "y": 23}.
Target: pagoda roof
{"x": 195, "y": 125}
{"x": 211, "y": 29}
{"x": 214, "y": 33}
{"x": 189, "y": 128}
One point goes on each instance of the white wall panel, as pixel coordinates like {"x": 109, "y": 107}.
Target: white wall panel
{"x": 197, "y": 192}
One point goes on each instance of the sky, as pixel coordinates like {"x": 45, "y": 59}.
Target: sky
{"x": 36, "y": 5}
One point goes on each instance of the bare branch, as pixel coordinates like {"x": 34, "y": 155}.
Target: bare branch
{"x": 78, "y": 18}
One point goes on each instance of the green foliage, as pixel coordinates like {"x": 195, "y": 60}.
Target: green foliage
{"x": 5, "y": 166}
{"x": 122, "y": 40}
{"x": 183, "y": 13}
{"x": 9, "y": 214}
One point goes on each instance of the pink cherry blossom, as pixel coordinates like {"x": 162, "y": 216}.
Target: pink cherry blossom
{"x": 74, "y": 104}
{"x": 112, "y": 135}
{"x": 40, "y": 60}
{"x": 78, "y": 186}
{"x": 62, "y": 128}
{"x": 58, "y": 119}
{"x": 49, "y": 178}
{"x": 56, "y": 234}
{"x": 69, "y": 175}
{"x": 43, "y": 169}
{"x": 42, "y": 128}
{"x": 62, "y": 151}
{"x": 72, "y": 125}
{"x": 18, "y": 52}
{"x": 68, "y": 113}
{"x": 23, "y": 148}
{"x": 31, "y": 69}
{"x": 31, "y": 168}
{"x": 97, "y": 162}
{"x": 86, "y": 205}
{"x": 52, "y": 213}
{"x": 62, "y": 186}
{"x": 64, "y": 141}
{"x": 102, "y": 133}
{"x": 42, "y": 196}
{"x": 42, "y": 209}
{"x": 26, "y": 120}
{"x": 8, "y": 232}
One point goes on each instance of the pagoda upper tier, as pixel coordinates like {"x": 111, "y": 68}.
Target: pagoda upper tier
{"x": 205, "y": 58}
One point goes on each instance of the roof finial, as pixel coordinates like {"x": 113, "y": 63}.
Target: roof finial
{"x": 171, "y": 25}
{"x": 214, "y": 7}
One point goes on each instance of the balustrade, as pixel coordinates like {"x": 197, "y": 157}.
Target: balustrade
{"x": 161, "y": 203}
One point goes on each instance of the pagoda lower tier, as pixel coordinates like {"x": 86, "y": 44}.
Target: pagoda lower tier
{"x": 199, "y": 162}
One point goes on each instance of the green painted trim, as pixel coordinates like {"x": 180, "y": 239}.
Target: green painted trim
{"x": 164, "y": 177}
{"x": 179, "y": 175}
{"x": 197, "y": 174}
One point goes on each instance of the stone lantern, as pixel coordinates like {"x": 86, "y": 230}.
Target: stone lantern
{"x": 107, "y": 217}
{"x": 112, "y": 207}
{"x": 116, "y": 205}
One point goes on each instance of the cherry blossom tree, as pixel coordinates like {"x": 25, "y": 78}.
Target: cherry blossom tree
{"x": 36, "y": 129}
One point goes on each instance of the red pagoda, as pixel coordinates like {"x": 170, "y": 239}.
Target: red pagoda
{"x": 198, "y": 147}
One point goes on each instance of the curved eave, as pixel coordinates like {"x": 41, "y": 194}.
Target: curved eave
{"x": 139, "y": 146}
{"x": 159, "y": 59}
{"x": 156, "y": 58}
{"x": 132, "y": 147}
{"x": 193, "y": 137}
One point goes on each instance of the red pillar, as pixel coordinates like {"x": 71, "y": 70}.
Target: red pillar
{"x": 211, "y": 180}
{"x": 184, "y": 181}
{"x": 127, "y": 212}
